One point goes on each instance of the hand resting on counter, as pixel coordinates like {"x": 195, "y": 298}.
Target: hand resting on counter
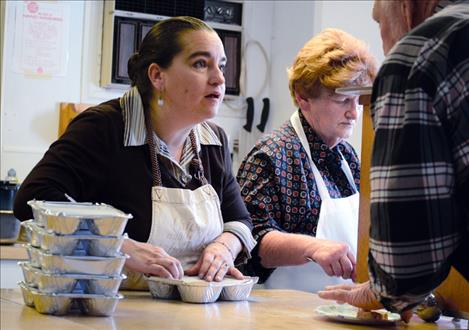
{"x": 358, "y": 295}
{"x": 217, "y": 259}
{"x": 152, "y": 260}
{"x": 215, "y": 262}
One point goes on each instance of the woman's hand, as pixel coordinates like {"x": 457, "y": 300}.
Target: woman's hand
{"x": 153, "y": 260}
{"x": 334, "y": 257}
{"x": 217, "y": 259}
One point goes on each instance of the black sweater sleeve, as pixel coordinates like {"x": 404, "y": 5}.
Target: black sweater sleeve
{"x": 73, "y": 165}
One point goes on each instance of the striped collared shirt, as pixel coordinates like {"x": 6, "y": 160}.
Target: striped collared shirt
{"x": 135, "y": 135}
{"x": 420, "y": 162}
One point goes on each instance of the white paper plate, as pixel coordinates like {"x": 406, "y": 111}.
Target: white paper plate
{"x": 348, "y": 314}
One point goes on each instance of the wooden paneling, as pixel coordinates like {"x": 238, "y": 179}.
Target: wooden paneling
{"x": 68, "y": 111}
{"x": 455, "y": 289}
{"x": 365, "y": 190}
{"x": 455, "y": 292}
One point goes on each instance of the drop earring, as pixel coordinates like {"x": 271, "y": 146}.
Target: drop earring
{"x": 160, "y": 101}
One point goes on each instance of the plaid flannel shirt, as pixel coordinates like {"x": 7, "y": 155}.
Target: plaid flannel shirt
{"x": 420, "y": 162}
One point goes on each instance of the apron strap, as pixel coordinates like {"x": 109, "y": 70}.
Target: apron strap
{"x": 155, "y": 168}
{"x": 322, "y": 189}
{"x": 195, "y": 166}
{"x": 348, "y": 173}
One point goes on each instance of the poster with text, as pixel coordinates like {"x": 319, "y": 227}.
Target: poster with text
{"x": 41, "y": 38}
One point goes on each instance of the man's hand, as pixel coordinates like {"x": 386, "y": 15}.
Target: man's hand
{"x": 358, "y": 295}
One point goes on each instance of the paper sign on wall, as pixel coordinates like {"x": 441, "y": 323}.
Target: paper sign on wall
{"x": 41, "y": 38}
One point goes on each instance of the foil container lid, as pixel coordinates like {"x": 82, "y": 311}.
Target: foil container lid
{"x": 78, "y": 210}
{"x": 67, "y": 218}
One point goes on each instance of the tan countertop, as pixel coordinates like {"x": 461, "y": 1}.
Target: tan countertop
{"x": 266, "y": 309}
{"x": 13, "y": 252}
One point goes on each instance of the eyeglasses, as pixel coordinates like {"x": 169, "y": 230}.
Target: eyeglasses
{"x": 345, "y": 101}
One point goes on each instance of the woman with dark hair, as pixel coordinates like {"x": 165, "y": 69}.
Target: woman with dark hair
{"x": 151, "y": 153}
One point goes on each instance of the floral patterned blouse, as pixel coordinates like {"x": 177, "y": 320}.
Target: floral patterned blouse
{"x": 278, "y": 185}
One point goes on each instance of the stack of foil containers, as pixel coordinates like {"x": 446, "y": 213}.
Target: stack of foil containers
{"x": 75, "y": 263}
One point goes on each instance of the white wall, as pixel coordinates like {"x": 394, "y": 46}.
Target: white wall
{"x": 2, "y": 36}
{"x": 292, "y": 29}
{"x": 257, "y": 25}
{"x": 295, "y": 22}
{"x": 29, "y": 106}
{"x": 355, "y": 18}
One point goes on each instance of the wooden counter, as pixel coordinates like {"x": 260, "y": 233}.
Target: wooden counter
{"x": 10, "y": 272}
{"x": 13, "y": 252}
{"x": 266, "y": 309}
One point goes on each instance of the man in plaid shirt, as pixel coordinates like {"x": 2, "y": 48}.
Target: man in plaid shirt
{"x": 420, "y": 162}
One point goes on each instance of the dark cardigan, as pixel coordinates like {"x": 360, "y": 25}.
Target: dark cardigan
{"x": 91, "y": 164}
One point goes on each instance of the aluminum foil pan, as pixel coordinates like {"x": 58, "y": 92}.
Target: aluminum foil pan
{"x": 194, "y": 290}
{"x": 199, "y": 293}
{"x": 67, "y": 283}
{"x": 161, "y": 290}
{"x": 67, "y": 218}
{"x": 63, "y": 303}
{"x": 56, "y": 264}
{"x": 31, "y": 236}
{"x": 29, "y": 273}
{"x": 81, "y": 243}
{"x": 238, "y": 291}
{"x": 27, "y": 294}
{"x": 34, "y": 255}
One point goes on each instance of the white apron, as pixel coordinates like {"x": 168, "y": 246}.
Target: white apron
{"x": 338, "y": 221}
{"x": 184, "y": 221}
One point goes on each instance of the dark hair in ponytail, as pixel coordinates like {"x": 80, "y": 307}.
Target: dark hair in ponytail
{"x": 161, "y": 44}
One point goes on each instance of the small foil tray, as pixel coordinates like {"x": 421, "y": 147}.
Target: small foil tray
{"x": 194, "y": 290}
{"x": 64, "y": 303}
{"x": 80, "y": 243}
{"x": 68, "y": 283}
{"x": 91, "y": 265}
{"x": 66, "y": 218}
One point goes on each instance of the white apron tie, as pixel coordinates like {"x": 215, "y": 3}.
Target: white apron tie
{"x": 338, "y": 221}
